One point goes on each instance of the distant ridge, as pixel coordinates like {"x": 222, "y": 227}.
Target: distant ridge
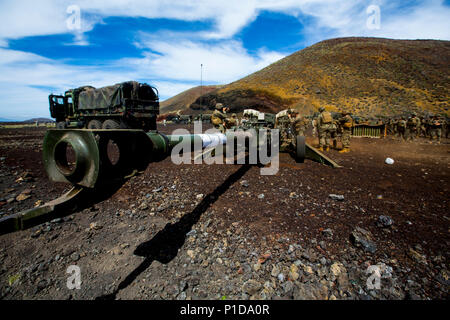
{"x": 33, "y": 120}
{"x": 366, "y": 76}
{"x": 182, "y": 101}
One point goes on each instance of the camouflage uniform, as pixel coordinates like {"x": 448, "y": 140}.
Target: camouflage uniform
{"x": 234, "y": 120}
{"x": 325, "y": 126}
{"x": 401, "y": 127}
{"x": 346, "y": 122}
{"x": 447, "y": 128}
{"x": 314, "y": 125}
{"x": 412, "y": 127}
{"x": 335, "y": 132}
{"x": 391, "y": 127}
{"x": 218, "y": 118}
{"x": 283, "y": 124}
{"x": 423, "y": 128}
{"x": 435, "y": 126}
{"x": 299, "y": 125}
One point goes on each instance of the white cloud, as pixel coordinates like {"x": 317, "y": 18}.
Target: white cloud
{"x": 27, "y": 79}
{"x": 177, "y": 68}
{"x": 423, "y": 22}
{"x": 25, "y": 18}
{"x": 228, "y": 16}
{"x": 428, "y": 19}
{"x": 222, "y": 62}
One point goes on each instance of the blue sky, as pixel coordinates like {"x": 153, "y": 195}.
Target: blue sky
{"x": 45, "y": 48}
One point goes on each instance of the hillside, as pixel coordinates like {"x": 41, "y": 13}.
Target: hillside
{"x": 42, "y": 120}
{"x": 33, "y": 120}
{"x": 366, "y": 76}
{"x": 183, "y": 100}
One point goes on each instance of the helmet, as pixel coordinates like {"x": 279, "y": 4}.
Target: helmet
{"x": 219, "y": 106}
{"x": 321, "y": 109}
{"x": 233, "y": 115}
{"x": 414, "y": 114}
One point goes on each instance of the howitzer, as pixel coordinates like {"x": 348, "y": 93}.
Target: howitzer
{"x": 90, "y": 159}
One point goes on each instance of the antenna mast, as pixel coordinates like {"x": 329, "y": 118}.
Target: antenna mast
{"x": 201, "y": 83}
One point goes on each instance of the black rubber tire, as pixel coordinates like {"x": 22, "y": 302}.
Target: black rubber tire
{"x": 60, "y": 125}
{"x": 300, "y": 149}
{"x": 94, "y": 124}
{"x": 111, "y": 124}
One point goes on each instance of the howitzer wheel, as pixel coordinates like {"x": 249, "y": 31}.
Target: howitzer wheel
{"x": 94, "y": 124}
{"x": 300, "y": 149}
{"x": 111, "y": 124}
{"x": 61, "y": 125}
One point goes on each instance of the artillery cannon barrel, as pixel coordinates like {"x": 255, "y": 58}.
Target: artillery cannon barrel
{"x": 86, "y": 157}
{"x": 83, "y": 157}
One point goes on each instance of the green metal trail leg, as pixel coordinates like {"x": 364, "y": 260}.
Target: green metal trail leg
{"x": 32, "y": 217}
{"x": 313, "y": 154}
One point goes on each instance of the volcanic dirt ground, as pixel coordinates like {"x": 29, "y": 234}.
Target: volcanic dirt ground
{"x": 228, "y": 232}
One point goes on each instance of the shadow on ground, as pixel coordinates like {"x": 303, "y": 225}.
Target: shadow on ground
{"x": 164, "y": 246}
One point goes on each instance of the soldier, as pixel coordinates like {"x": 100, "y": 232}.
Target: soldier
{"x": 393, "y": 123}
{"x": 346, "y": 123}
{"x": 314, "y": 126}
{"x": 412, "y": 127}
{"x": 401, "y": 127}
{"x": 335, "y": 132}
{"x": 234, "y": 121}
{"x": 324, "y": 126}
{"x": 447, "y": 127}
{"x": 283, "y": 123}
{"x": 435, "y": 126}
{"x": 391, "y": 126}
{"x": 423, "y": 128}
{"x": 219, "y": 117}
{"x": 299, "y": 124}
{"x": 244, "y": 119}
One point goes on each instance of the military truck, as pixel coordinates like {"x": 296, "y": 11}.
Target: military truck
{"x": 183, "y": 118}
{"x": 203, "y": 117}
{"x": 124, "y": 105}
{"x": 255, "y": 118}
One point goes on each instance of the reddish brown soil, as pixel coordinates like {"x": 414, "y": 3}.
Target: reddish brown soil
{"x": 413, "y": 192}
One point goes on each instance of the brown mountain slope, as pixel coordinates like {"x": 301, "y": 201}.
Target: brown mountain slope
{"x": 366, "y": 76}
{"x": 183, "y": 100}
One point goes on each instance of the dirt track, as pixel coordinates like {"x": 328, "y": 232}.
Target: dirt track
{"x": 199, "y": 231}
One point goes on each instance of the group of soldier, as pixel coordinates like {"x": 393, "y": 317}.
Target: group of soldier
{"x": 433, "y": 127}
{"x": 293, "y": 124}
{"x": 329, "y": 129}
